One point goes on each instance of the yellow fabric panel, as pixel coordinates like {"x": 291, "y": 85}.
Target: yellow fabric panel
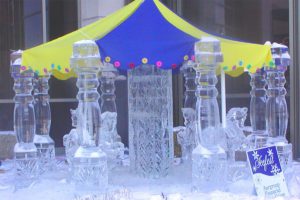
{"x": 238, "y": 56}
{"x": 63, "y": 76}
{"x": 41, "y": 58}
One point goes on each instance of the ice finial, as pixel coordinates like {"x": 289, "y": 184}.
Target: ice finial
{"x": 280, "y": 55}
{"x": 268, "y": 43}
{"x": 208, "y": 51}
{"x": 85, "y": 55}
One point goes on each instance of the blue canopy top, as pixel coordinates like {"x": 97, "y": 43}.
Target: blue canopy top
{"x": 146, "y": 37}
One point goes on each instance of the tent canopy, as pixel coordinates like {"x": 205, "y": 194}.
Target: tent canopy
{"x": 143, "y": 32}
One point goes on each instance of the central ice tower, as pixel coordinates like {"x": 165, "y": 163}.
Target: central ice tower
{"x": 150, "y": 120}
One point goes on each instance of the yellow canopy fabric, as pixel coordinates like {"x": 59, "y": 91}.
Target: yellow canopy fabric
{"x": 54, "y": 56}
{"x": 238, "y": 56}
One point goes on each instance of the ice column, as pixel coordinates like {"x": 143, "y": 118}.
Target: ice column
{"x": 111, "y": 142}
{"x": 277, "y": 112}
{"x": 187, "y": 138}
{"x": 150, "y": 120}
{"x": 89, "y": 165}
{"x": 258, "y": 109}
{"x": 189, "y": 74}
{"x": 42, "y": 140}
{"x": 26, "y": 160}
{"x": 209, "y": 158}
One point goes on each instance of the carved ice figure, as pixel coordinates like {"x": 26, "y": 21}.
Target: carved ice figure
{"x": 108, "y": 129}
{"x": 234, "y": 131}
{"x": 71, "y": 140}
{"x": 187, "y": 137}
{"x": 236, "y": 141}
{"x": 109, "y": 139}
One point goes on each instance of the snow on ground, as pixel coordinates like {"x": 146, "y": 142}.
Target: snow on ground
{"x": 55, "y": 186}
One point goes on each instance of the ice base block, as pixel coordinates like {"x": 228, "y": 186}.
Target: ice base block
{"x": 45, "y": 151}
{"x": 209, "y": 168}
{"x": 256, "y": 141}
{"x": 89, "y": 169}
{"x": 26, "y": 164}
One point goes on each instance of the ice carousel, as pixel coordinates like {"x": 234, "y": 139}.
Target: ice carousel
{"x": 213, "y": 156}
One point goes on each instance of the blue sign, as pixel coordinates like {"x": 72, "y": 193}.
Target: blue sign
{"x": 264, "y": 161}
{"x": 267, "y": 173}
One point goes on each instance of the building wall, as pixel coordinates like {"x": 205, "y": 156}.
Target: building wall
{"x": 247, "y": 20}
{"x": 92, "y": 10}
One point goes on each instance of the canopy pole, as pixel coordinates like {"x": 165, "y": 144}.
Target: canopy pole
{"x": 44, "y": 18}
{"x": 223, "y": 98}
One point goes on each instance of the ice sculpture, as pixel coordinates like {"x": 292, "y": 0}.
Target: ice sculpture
{"x": 25, "y": 152}
{"x": 71, "y": 140}
{"x": 258, "y": 136}
{"x": 42, "y": 140}
{"x": 150, "y": 120}
{"x": 187, "y": 137}
{"x": 209, "y": 158}
{"x": 190, "y": 85}
{"x": 277, "y": 112}
{"x": 111, "y": 142}
{"x": 236, "y": 140}
{"x": 89, "y": 165}
{"x": 237, "y": 144}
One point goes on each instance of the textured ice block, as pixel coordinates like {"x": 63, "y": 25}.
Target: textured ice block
{"x": 7, "y": 142}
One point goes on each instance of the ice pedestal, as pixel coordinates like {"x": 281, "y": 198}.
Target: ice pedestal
{"x": 150, "y": 121}
{"x": 25, "y": 152}
{"x": 277, "y": 112}
{"x": 89, "y": 165}
{"x": 42, "y": 140}
{"x": 209, "y": 168}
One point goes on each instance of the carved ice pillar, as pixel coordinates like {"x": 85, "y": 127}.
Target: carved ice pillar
{"x": 189, "y": 74}
{"x": 258, "y": 106}
{"x": 277, "y": 112}
{"x": 150, "y": 120}
{"x": 25, "y": 152}
{"x": 89, "y": 165}
{"x": 42, "y": 140}
{"x": 209, "y": 158}
{"x": 187, "y": 137}
{"x": 110, "y": 140}
{"x": 108, "y": 98}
